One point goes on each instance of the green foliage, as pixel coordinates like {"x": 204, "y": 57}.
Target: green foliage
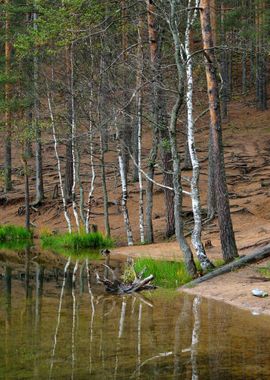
{"x": 10, "y": 232}
{"x": 168, "y": 274}
{"x": 75, "y": 241}
{"x": 165, "y": 144}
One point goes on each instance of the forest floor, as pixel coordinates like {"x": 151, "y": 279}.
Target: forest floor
{"x": 247, "y": 156}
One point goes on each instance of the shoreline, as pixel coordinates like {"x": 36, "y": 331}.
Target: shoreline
{"x": 233, "y": 288}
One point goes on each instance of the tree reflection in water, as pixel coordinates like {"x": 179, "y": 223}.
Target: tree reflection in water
{"x": 87, "y": 333}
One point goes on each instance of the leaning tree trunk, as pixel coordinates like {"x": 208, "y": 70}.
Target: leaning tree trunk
{"x": 228, "y": 244}
{"x": 66, "y": 213}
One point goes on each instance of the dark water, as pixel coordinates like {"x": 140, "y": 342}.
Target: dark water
{"x": 48, "y": 331}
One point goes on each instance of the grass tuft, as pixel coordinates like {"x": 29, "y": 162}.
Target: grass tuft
{"x": 75, "y": 241}
{"x": 9, "y": 232}
{"x": 168, "y": 274}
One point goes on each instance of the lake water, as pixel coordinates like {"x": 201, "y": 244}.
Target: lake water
{"x": 51, "y": 330}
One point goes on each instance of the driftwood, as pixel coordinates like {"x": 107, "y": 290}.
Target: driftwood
{"x": 117, "y": 287}
{"x": 120, "y": 287}
{"x": 258, "y": 255}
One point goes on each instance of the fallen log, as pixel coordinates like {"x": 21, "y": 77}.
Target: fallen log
{"x": 135, "y": 283}
{"x": 118, "y": 287}
{"x": 258, "y": 255}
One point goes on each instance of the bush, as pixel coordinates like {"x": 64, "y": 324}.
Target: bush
{"x": 76, "y": 240}
{"x": 10, "y": 232}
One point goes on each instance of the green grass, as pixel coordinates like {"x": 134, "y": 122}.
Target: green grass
{"x": 75, "y": 241}
{"x": 10, "y": 232}
{"x": 168, "y": 274}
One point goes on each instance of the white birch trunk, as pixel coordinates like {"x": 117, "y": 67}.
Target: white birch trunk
{"x": 66, "y": 213}
{"x": 139, "y": 119}
{"x": 124, "y": 198}
{"x": 141, "y": 203}
{"x": 93, "y": 174}
{"x": 73, "y": 136}
{"x": 178, "y": 191}
{"x": 195, "y": 194}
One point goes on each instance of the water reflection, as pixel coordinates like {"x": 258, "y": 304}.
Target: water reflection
{"x": 59, "y": 324}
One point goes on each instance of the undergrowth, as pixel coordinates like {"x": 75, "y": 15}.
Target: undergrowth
{"x": 9, "y": 232}
{"x": 75, "y": 240}
{"x": 168, "y": 274}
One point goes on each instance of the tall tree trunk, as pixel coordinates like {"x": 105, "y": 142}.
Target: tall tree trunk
{"x": 195, "y": 191}
{"x": 224, "y": 67}
{"x": 8, "y": 127}
{"x": 28, "y": 149}
{"x": 125, "y": 132}
{"x": 66, "y": 213}
{"x": 39, "y": 169}
{"x": 229, "y": 249}
{"x": 138, "y": 144}
{"x": 69, "y": 180}
{"x": 124, "y": 199}
{"x": 93, "y": 172}
{"x": 211, "y": 194}
{"x": 261, "y": 69}
{"x": 178, "y": 191}
{"x": 103, "y": 145}
{"x": 160, "y": 130}
{"x": 104, "y": 188}
{"x": 26, "y": 192}
{"x": 73, "y": 138}
{"x": 68, "y": 170}
{"x": 153, "y": 44}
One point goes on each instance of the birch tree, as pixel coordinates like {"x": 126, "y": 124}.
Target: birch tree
{"x": 139, "y": 128}
{"x": 195, "y": 193}
{"x": 125, "y": 212}
{"x": 177, "y": 186}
